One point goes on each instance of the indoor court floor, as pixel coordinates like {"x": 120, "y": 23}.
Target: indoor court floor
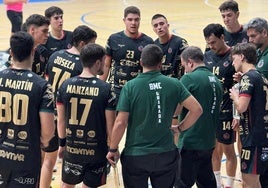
{"x": 187, "y": 18}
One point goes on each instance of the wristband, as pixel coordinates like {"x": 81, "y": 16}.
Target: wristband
{"x": 113, "y": 150}
{"x": 175, "y": 117}
{"x": 62, "y": 142}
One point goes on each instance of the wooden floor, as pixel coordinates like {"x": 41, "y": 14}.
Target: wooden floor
{"x": 187, "y": 18}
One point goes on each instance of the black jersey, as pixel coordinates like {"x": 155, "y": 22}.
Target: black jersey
{"x": 126, "y": 54}
{"x": 232, "y": 39}
{"x": 54, "y": 44}
{"x": 61, "y": 66}
{"x": 254, "y": 121}
{"x": 40, "y": 60}
{"x": 23, "y": 95}
{"x": 171, "y": 64}
{"x": 85, "y": 101}
{"x": 221, "y": 66}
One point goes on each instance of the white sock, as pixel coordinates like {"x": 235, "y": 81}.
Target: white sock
{"x": 218, "y": 178}
{"x": 230, "y": 181}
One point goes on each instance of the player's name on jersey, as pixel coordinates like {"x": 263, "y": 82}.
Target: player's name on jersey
{"x": 64, "y": 63}
{"x": 82, "y": 90}
{"x": 16, "y": 84}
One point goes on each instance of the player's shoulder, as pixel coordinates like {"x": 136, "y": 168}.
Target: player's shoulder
{"x": 68, "y": 32}
{"x": 146, "y": 37}
{"x": 117, "y": 34}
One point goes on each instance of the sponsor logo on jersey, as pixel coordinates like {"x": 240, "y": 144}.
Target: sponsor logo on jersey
{"x": 25, "y": 180}
{"x": 243, "y": 165}
{"x": 11, "y": 156}
{"x": 68, "y": 131}
{"x": 79, "y": 133}
{"x": 265, "y": 119}
{"x": 91, "y": 134}
{"x": 226, "y": 63}
{"x": 264, "y": 157}
{"x": 29, "y": 75}
{"x": 140, "y": 48}
{"x": 226, "y": 136}
{"x": 22, "y": 135}
{"x": 10, "y": 133}
{"x": 170, "y": 50}
{"x": 68, "y": 170}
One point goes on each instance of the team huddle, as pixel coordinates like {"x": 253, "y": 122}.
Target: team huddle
{"x": 63, "y": 96}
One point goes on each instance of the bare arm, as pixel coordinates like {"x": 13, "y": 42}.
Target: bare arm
{"x": 194, "y": 112}
{"x": 119, "y": 128}
{"x": 106, "y": 68}
{"x": 241, "y": 103}
{"x": 175, "y": 123}
{"x": 110, "y": 118}
{"x": 47, "y": 127}
{"x": 61, "y": 127}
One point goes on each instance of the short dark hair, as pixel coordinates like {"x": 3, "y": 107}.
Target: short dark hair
{"x": 248, "y": 50}
{"x": 213, "y": 28}
{"x": 229, "y": 5}
{"x": 52, "y": 11}
{"x": 259, "y": 24}
{"x": 37, "y": 20}
{"x": 90, "y": 53}
{"x": 83, "y": 33}
{"x": 131, "y": 10}
{"x": 151, "y": 55}
{"x": 194, "y": 53}
{"x": 158, "y": 16}
{"x": 21, "y": 45}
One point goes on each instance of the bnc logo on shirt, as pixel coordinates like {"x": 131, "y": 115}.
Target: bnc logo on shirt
{"x": 155, "y": 86}
{"x": 260, "y": 63}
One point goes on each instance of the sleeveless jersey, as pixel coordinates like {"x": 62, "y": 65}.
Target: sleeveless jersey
{"x": 126, "y": 54}
{"x": 85, "y": 101}
{"x": 23, "y": 94}
{"x": 254, "y": 121}
{"x": 171, "y": 64}
{"x": 221, "y": 66}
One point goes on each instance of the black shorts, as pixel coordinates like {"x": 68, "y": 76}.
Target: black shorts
{"x": 160, "y": 168}
{"x": 19, "y": 177}
{"x": 195, "y": 166}
{"x": 15, "y": 19}
{"x": 254, "y": 160}
{"x": 224, "y": 132}
{"x": 91, "y": 174}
